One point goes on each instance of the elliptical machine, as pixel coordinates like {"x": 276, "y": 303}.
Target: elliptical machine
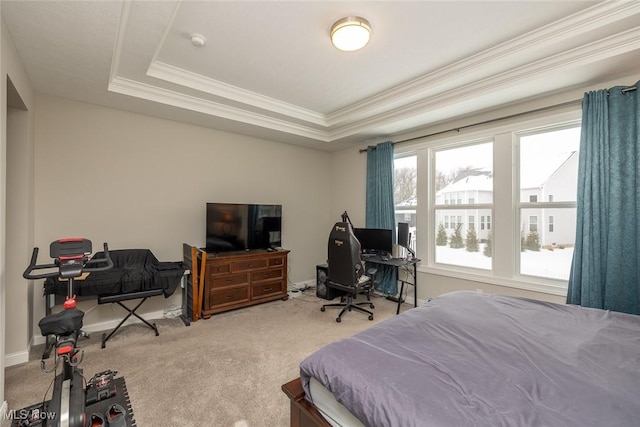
{"x": 67, "y": 405}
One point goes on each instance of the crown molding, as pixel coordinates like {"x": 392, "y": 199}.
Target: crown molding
{"x": 501, "y": 55}
{"x": 204, "y": 84}
{"x": 176, "y": 99}
{"x": 619, "y": 43}
{"x": 489, "y": 72}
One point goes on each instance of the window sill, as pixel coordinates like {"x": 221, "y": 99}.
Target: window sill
{"x": 526, "y": 283}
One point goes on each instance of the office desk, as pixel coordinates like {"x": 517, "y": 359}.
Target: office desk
{"x": 400, "y": 264}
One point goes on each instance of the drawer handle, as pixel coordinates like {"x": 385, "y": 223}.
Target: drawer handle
{"x": 267, "y": 289}
{"x": 229, "y": 296}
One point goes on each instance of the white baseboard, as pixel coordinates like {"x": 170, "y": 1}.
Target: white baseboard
{"x": 23, "y": 356}
{"x": 16, "y": 358}
{"x": 108, "y": 325}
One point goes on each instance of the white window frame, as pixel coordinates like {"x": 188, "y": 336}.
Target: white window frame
{"x": 506, "y": 237}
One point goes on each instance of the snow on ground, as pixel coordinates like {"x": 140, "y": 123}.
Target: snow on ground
{"x": 554, "y": 264}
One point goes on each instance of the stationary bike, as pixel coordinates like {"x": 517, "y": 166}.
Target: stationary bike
{"x": 67, "y": 406}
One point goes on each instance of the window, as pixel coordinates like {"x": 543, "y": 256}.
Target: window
{"x": 526, "y": 174}
{"x": 549, "y": 165}
{"x": 405, "y": 193}
{"x": 463, "y": 172}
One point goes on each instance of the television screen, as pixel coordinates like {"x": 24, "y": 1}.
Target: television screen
{"x": 374, "y": 240}
{"x": 238, "y": 227}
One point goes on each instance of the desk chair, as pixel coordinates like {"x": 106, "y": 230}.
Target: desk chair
{"x": 346, "y": 271}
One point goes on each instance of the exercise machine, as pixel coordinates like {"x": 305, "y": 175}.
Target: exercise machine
{"x": 72, "y": 260}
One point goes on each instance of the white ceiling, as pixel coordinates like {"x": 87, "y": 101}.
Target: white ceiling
{"x": 268, "y": 68}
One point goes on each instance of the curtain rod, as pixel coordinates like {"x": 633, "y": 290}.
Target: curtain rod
{"x": 511, "y": 116}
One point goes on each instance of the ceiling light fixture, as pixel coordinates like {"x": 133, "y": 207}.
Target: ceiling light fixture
{"x": 198, "y": 40}
{"x": 350, "y": 33}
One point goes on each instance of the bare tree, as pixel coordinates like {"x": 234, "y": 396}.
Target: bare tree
{"x": 405, "y": 181}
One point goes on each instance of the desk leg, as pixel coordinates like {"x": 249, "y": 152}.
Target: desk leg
{"x": 400, "y": 297}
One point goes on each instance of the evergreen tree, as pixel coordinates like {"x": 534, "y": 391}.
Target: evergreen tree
{"x": 456, "y": 240}
{"x": 533, "y": 241}
{"x": 488, "y": 250}
{"x": 441, "y": 237}
{"x": 472, "y": 240}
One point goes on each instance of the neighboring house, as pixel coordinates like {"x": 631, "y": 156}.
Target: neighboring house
{"x": 474, "y": 186}
{"x": 555, "y": 226}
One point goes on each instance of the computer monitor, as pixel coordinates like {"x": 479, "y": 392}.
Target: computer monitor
{"x": 374, "y": 240}
{"x": 403, "y": 234}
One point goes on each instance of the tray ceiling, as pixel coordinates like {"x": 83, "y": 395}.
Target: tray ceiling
{"x": 268, "y": 68}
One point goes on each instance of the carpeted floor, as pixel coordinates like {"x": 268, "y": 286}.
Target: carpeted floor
{"x": 224, "y": 371}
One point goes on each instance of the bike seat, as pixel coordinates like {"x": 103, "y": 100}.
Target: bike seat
{"x": 62, "y": 323}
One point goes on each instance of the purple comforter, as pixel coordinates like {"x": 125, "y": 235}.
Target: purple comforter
{"x": 469, "y": 359}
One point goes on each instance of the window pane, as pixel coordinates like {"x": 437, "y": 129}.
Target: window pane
{"x": 464, "y": 169}
{"x": 547, "y": 251}
{"x": 405, "y": 191}
{"x": 463, "y": 176}
{"x": 462, "y": 244}
{"x": 549, "y": 166}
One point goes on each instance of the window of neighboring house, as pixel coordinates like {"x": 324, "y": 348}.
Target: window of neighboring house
{"x": 488, "y": 222}
{"x": 481, "y": 222}
{"x": 460, "y": 171}
{"x": 533, "y": 198}
{"x": 549, "y": 163}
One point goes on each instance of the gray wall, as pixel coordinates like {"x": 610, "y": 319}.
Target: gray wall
{"x": 136, "y": 181}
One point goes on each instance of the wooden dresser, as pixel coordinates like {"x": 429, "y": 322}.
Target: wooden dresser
{"x": 241, "y": 279}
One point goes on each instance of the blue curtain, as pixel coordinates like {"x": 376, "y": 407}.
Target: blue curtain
{"x": 606, "y": 263}
{"x": 380, "y": 209}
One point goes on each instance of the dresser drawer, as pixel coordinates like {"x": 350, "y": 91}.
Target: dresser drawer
{"x": 250, "y": 264}
{"x": 266, "y": 289}
{"x": 272, "y": 273}
{"x": 275, "y": 262}
{"x": 230, "y": 296}
{"x": 218, "y": 268}
{"x": 230, "y": 280}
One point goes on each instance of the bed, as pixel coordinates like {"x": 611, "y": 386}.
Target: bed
{"x": 471, "y": 359}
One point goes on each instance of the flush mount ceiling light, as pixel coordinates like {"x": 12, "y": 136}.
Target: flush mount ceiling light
{"x": 350, "y": 33}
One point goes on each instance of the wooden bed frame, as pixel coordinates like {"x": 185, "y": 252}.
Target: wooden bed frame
{"x": 303, "y": 412}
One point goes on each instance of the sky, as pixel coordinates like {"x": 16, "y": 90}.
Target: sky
{"x": 535, "y": 151}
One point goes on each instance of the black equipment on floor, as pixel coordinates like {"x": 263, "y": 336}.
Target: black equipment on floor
{"x": 322, "y": 288}
{"x": 346, "y": 270}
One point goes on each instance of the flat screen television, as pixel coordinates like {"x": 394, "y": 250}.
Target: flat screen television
{"x": 240, "y": 227}
{"x": 374, "y": 240}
